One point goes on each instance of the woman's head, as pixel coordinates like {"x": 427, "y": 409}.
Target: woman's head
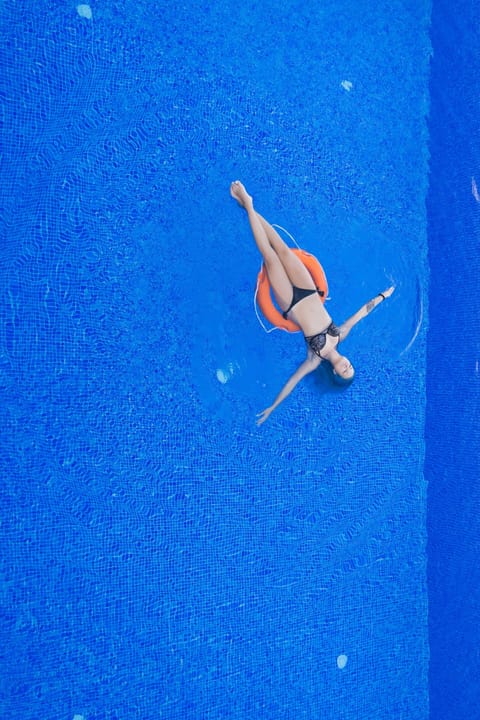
{"x": 342, "y": 368}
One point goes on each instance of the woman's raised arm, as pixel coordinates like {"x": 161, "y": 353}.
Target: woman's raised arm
{"x": 364, "y": 311}
{"x": 308, "y": 366}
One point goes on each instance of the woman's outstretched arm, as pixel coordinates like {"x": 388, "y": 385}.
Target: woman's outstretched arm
{"x": 363, "y": 312}
{"x": 308, "y": 366}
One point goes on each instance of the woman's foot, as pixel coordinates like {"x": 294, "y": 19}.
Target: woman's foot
{"x": 238, "y": 191}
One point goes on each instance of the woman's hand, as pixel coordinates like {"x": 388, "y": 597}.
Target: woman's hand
{"x": 388, "y": 291}
{"x": 262, "y": 416}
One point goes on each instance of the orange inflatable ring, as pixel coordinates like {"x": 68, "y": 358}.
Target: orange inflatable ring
{"x": 264, "y": 296}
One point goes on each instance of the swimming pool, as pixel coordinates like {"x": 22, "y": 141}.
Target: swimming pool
{"x": 164, "y": 557}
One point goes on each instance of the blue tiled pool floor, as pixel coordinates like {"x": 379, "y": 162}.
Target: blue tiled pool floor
{"x": 164, "y": 557}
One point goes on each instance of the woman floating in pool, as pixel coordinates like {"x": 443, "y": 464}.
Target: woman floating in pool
{"x": 298, "y": 298}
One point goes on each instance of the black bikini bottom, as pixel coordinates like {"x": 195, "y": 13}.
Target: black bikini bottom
{"x": 298, "y": 294}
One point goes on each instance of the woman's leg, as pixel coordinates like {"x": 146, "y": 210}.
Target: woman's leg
{"x": 277, "y": 274}
{"x": 295, "y": 269}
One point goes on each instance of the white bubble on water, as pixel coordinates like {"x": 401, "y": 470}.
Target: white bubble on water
{"x": 475, "y": 190}
{"x": 84, "y": 11}
{"x": 224, "y": 374}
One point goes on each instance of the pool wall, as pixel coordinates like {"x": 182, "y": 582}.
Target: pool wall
{"x": 164, "y": 557}
{"x": 452, "y": 431}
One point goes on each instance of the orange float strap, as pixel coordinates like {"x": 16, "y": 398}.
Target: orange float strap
{"x": 264, "y": 297}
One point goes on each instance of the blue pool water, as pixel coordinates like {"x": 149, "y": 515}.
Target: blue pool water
{"x": 162, "y": 556}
